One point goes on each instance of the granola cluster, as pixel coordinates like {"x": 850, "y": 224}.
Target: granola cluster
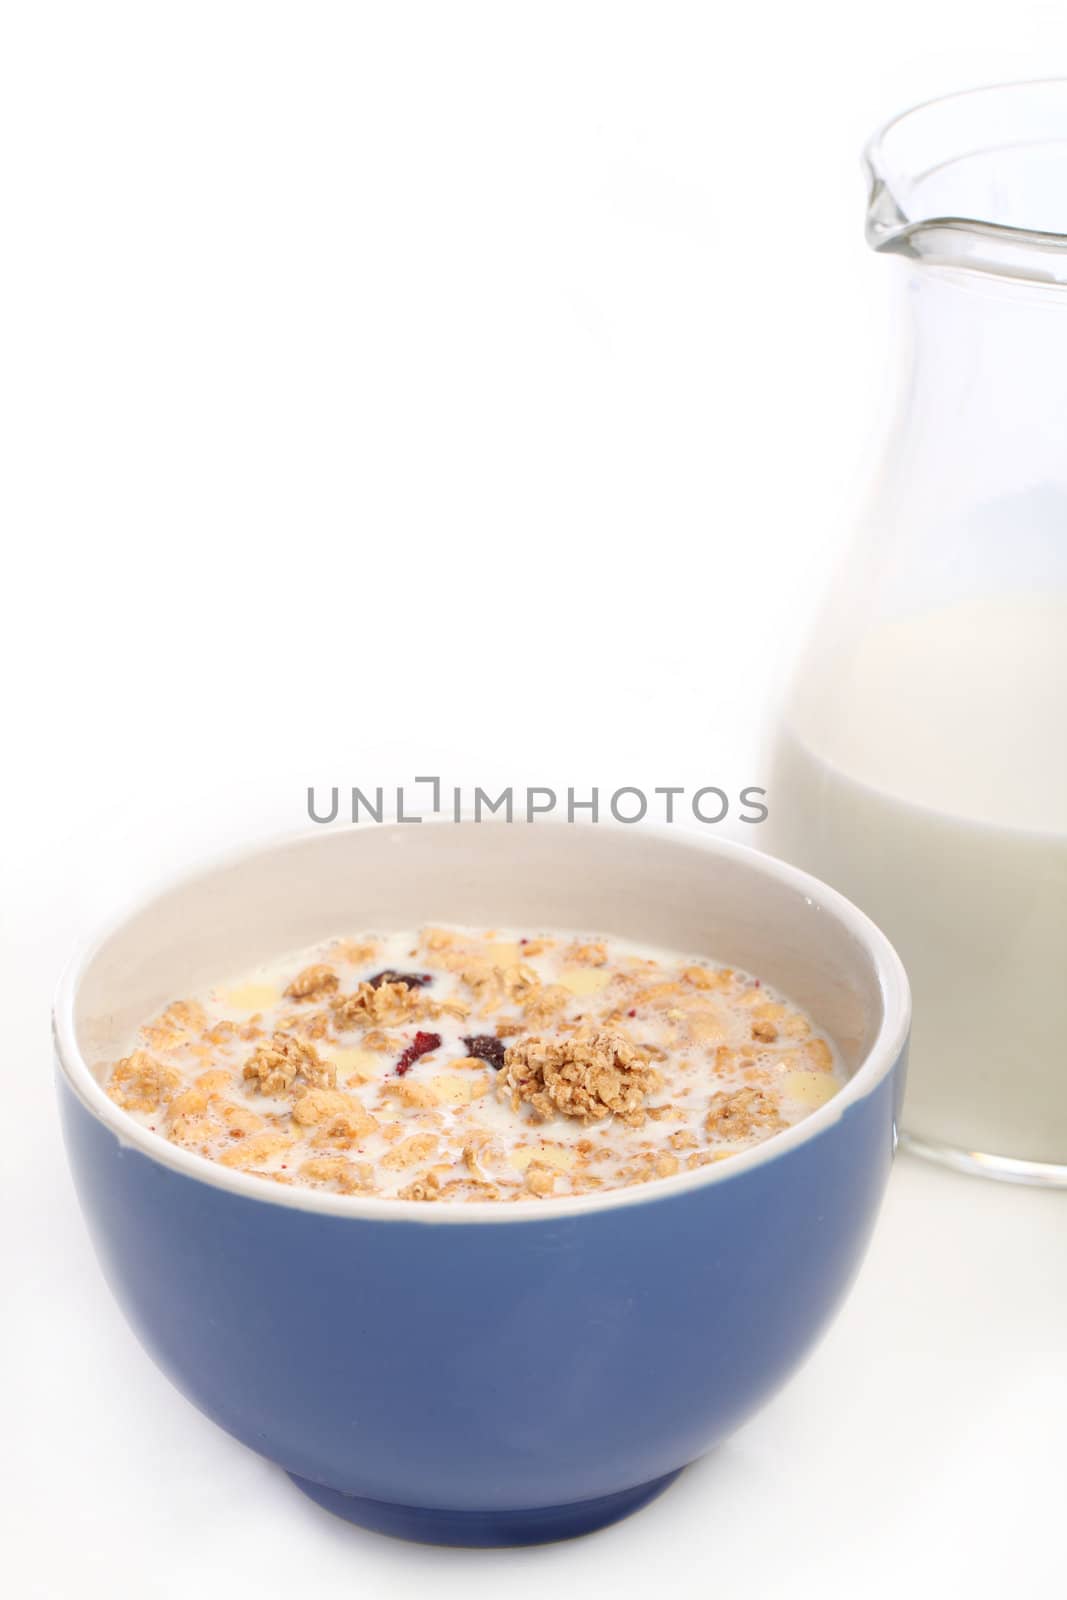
{"x": 274, "y": 1067}
{"x": 453, "y": 1064}
{"x": 589, "y": 1074}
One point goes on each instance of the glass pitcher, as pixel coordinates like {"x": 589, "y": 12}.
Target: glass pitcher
{"x": 920, "y": 757}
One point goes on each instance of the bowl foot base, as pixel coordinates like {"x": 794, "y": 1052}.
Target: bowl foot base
{"x": 482, "y": 1529}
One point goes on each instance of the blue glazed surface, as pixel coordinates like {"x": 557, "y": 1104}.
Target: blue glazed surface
{"x": 494, "y": 1367}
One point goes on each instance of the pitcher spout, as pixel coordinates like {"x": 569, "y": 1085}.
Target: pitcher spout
{"x": 976, "y": 181}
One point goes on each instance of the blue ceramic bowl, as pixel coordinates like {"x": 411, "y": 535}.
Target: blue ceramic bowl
{"x": 482, "y": 1374}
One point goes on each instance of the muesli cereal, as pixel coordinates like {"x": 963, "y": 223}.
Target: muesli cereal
{"x": 460, "y": 1064}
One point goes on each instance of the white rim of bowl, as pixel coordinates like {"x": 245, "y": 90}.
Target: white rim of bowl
{"x": 880, "y": 1059}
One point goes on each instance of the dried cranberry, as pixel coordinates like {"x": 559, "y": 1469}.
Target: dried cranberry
{"x": 421, "y": 1045}
{"x": 486, "y": 1047}
{"x": 410, "y": 980}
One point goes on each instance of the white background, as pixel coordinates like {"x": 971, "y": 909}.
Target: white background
{"x": 480, "y": 390}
